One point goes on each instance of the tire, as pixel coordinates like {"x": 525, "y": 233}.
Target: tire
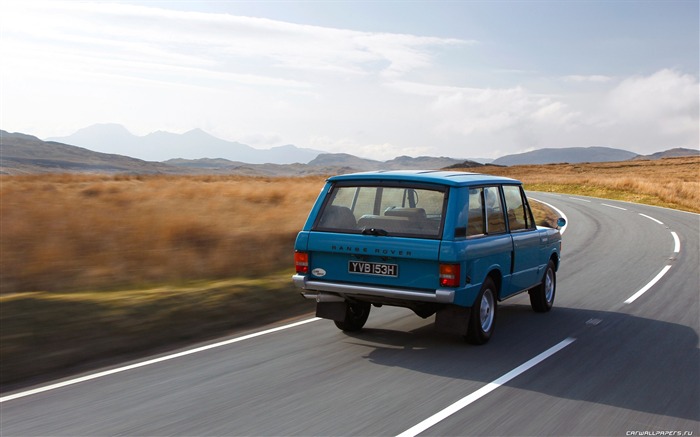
{"x": 482, "y": 318}
{"x": 356, "y": 315}
{"x": 542, "y": 296}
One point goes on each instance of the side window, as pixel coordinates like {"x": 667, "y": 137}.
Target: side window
{"x": 495, "y": 220}
{"x": 519, "y": 214}
{"x": 485, "y": 212}
{"x": 475, "y": 212}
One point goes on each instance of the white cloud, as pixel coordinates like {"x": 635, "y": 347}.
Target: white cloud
{"x": 138, "y": 37}
{"x": 666, "y": 100}
{"x": 67, "y": 65}
{"x": 641, "y": 113}
{"x": 592, "y": 78}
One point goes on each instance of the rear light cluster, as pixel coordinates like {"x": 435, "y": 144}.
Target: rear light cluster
{"x": 449, "y": 275}
{"x": 301, "y": 261}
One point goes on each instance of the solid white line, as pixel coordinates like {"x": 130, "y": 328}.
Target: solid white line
{"x": 563, "y": 229}
{"x": 676, "y": 242}
{"x": 651, "y": 218}
{"x": 613, "y": 206}
{"x": 648, "y": 286}
{"x": 153, "y": 361}
{"x": 483, "y": 391}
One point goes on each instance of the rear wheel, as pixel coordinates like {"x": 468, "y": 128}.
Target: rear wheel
{"x": 356, "y": 315}
{"x": 482, "y": 318}
{"x": 542, "y": 296}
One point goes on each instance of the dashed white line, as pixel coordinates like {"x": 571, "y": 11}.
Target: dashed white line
{"x": 646, "y": 288}
{"x": 579, "y": 199}
{"x": 153, "y": 361}
{"x": 483, "y": 391}
{"x": 613, "y": 206}
{"x": 651, "y": 218}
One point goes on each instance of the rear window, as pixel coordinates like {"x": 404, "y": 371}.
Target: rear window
{"x": 412, "y": 211}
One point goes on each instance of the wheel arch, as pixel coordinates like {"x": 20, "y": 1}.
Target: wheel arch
{"x": 555, "y": 260}
{"x": 497, "y": 278}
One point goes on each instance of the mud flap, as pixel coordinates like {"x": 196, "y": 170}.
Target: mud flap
{"x": 331, "y": 310}
{"x": 452, "y": 319}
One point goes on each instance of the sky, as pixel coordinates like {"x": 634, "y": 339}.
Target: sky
{"x": 377, "y": 79}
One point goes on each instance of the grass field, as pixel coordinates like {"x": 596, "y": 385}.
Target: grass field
{"x": 672, "y": 182}
{"x": 93, "y": 266}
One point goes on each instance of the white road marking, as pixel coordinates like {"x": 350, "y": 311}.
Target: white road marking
{"x": 676, "y": 243}
{"x": 483, "y": 391}
{"x": 613, "y": 206}
{"x": 648, "y": 286}
{"x": 651, "y": 218}
{"x": 153, "y": 361}
{"x": 577, "y": 198}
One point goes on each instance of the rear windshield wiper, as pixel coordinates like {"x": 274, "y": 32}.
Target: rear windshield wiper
{"x": 374, "y": 231}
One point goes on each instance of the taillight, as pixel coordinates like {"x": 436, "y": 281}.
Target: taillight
{"x": 449, "y": 275}
{"x": 301, "y": 261}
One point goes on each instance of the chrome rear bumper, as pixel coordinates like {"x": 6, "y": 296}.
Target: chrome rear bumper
{"x": 302, "y": 282}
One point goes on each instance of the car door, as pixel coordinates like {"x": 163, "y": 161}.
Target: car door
{"x": 526, "y": 266}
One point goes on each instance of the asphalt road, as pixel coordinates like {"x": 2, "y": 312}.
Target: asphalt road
{"x": 617, "y": 356}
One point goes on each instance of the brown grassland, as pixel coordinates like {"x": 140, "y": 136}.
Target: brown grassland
{"x": 95, "y": 265}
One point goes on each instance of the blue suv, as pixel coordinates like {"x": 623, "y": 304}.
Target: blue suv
{"x": 451, "y": 244}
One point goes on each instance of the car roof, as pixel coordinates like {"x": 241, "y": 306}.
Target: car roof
{"x": 442, "y": 177}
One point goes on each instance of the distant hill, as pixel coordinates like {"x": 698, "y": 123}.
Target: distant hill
{"x": 399, "y": 163}
{"x": 194, "y": 144}
{"x": 678, "y": 152}
{"x": 571, "y": 155}
{"x": 25, "y": 154}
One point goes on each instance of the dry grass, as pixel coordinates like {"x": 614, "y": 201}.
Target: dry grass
{"x": 672, "y": 183}
{"x": 74, "y": 232}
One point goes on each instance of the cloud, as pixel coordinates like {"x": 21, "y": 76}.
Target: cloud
{"x": 641, "y": 113}
{"x": 465, "y": 111}
{"x": 69, "y": 64}
{"x": 667, "y": 100}
{"x": 592, "y": 78}
{"x": 139, "y": 37}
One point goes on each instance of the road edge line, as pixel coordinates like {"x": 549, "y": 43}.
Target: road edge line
{"x": 152, "y": 361}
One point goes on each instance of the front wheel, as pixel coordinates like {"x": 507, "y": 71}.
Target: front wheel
{"x": 482, "y": 318}
{"x": 356, "y": 315}
{"x": 542, "y": 296}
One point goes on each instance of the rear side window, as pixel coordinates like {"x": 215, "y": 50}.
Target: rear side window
{"x": 414, "y": 211}
{"x": 485, "y": 212}
{"x": 519, "y": 214}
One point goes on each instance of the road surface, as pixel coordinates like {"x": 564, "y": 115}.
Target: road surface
{"x": 617, "y": 356}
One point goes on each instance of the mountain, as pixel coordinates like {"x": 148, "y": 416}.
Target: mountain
{"x": 671, "y": 153}
{"x": 25, "y": 154}
{"x": 571, "y": 155}
{"x": 345, "y": 160}
{"x": 194, "y": 144}
{"x": 399, "y": 163}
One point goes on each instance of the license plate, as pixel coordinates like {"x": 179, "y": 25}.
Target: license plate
{"x": 378, "y": 269}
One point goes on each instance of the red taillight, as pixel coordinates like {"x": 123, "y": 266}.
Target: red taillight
{"x": 301, "y": 261}
{"x": 449, "y": 275}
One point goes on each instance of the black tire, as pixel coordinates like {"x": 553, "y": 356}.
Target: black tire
{"x": 482, "y": 318}
{"x": 356, "y": 316}
{"x": 542, "y": 296}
